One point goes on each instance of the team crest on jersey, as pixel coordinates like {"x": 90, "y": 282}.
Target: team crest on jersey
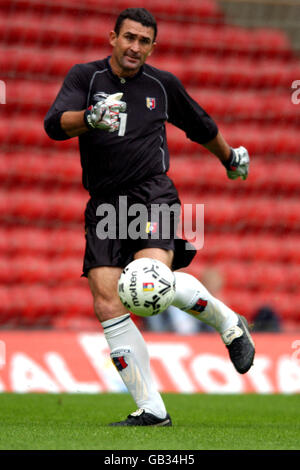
{"x": 151, "y": 103}
{"x": 151, "y": 227}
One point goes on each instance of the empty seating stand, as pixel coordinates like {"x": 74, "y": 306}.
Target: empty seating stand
{"x": 242, "y": 77}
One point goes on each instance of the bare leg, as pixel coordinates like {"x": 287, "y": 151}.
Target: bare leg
{"x": 103, "y": 282}
{"x": 128, "y": 348}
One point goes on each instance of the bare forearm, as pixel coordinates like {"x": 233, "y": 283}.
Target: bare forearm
{"x": 72, "y": 122}
{"x": 219, "y": 147}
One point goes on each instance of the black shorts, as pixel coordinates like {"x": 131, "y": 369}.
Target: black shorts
{"x": 146, "y": 216}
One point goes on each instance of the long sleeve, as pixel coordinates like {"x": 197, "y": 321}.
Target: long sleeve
{"x": 71, "y": 97}
{"x": 187, "y": 114}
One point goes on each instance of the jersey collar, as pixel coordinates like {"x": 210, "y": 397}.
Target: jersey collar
{"x": 122, "y": 80}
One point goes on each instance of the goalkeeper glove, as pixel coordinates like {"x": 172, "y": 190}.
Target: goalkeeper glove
{"x": 238, "y": 164}
{"x": 105, "y": 114}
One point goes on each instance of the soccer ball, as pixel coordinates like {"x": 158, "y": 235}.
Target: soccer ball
{"x": 146, "y": 287}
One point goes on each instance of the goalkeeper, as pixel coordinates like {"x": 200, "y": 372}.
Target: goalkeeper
{"x": 118, "y": 107}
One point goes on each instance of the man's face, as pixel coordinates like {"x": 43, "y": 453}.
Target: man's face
{"x": 131, "y": 47}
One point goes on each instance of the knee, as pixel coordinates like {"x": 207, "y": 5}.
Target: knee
{"x": 105, "y": 309}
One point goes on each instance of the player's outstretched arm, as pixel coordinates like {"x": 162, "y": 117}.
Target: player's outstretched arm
{"x": 72, "y": 122}
{"x": 103, "y": 115}
{"x": 236, "y": 161}
{"x": 219, "y": 147}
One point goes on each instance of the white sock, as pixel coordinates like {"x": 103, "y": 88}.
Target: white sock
{"x": 130, "y": 356}
{"x": 192, "y": 297}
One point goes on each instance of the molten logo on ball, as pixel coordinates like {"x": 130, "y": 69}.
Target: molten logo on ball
{"x": 146, "y": 287}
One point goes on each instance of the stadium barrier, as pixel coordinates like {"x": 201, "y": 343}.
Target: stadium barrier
{"x": 60, "y": 361}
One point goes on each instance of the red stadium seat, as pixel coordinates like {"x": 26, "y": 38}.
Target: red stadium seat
{"x": 247, "y": 105}
{"x": 64, "y": 29}
{"x": 42, "y": 305}
{"x": 208, "y": 70}
{"x": 218, "y": 247}
{"x": 73, "y": 301}
{"x": 256, "y": 280}
{"x": 195, "y": 173}
{"x": 33, "y": 241}
{"x": 38, "y": 269}
{"x": 35, "y": 97}
{"x": 244, "y": 213}
{"x": 202, "y": 10}
{"x": 284, "y": 304}
{"x": 256, "y": 275}
{"x": 31, "y": 96}
{"x": 39, "y": 305}
{"x": 225, "y": 39}
{"x": 241, "y": 72}
{"x": 282, "y": 141}
{"x": 257, "y": 247}
{"x": 50, "y": 28}
{"x": 32, "y": 60}
{"x": 24, "y": 302}
{"x": 57, "y": 170}
{"x": 37, "y": 205}
{"x": 33, "y": 135}
{"x": 242, "y": 77}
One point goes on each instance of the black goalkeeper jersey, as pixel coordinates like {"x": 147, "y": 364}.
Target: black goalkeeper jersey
{"x": 112, "y": 161}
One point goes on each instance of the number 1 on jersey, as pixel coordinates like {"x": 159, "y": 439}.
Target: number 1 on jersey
{"x": 123, "y": 122}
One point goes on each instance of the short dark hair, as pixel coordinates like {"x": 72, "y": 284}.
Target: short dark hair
{"x": 140, "y": 15}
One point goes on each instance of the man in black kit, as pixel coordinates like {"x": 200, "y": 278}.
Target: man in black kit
{"x": 118, "y": 107}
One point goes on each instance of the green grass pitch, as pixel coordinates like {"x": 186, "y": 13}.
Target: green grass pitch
{"x": 200, "y": 422}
